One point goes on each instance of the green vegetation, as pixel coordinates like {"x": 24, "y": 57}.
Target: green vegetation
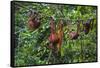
{"x": 32, "y": 47}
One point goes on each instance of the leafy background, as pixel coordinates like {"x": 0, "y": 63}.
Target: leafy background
{"x": 32, "y": 46}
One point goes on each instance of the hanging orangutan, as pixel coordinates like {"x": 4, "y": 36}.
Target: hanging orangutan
{"x": 56, "y": 36}
{"x": 74, "y": 35}
{"x": 87, "y": 26}
{"x": 53, "y": 35}
{"x": 34, "y": 20}
{"x": 60, "y": 35}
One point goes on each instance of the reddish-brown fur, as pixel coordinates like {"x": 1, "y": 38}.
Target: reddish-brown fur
{"x": 53, "y": 35}
{"x": 60, "y": 34}
{"x": 74, "y": 35}
{"x": 33, "y": 22}
{"x": 56, "y": 36}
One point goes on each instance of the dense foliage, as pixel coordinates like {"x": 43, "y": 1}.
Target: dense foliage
{"x": 32, "y": 46}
